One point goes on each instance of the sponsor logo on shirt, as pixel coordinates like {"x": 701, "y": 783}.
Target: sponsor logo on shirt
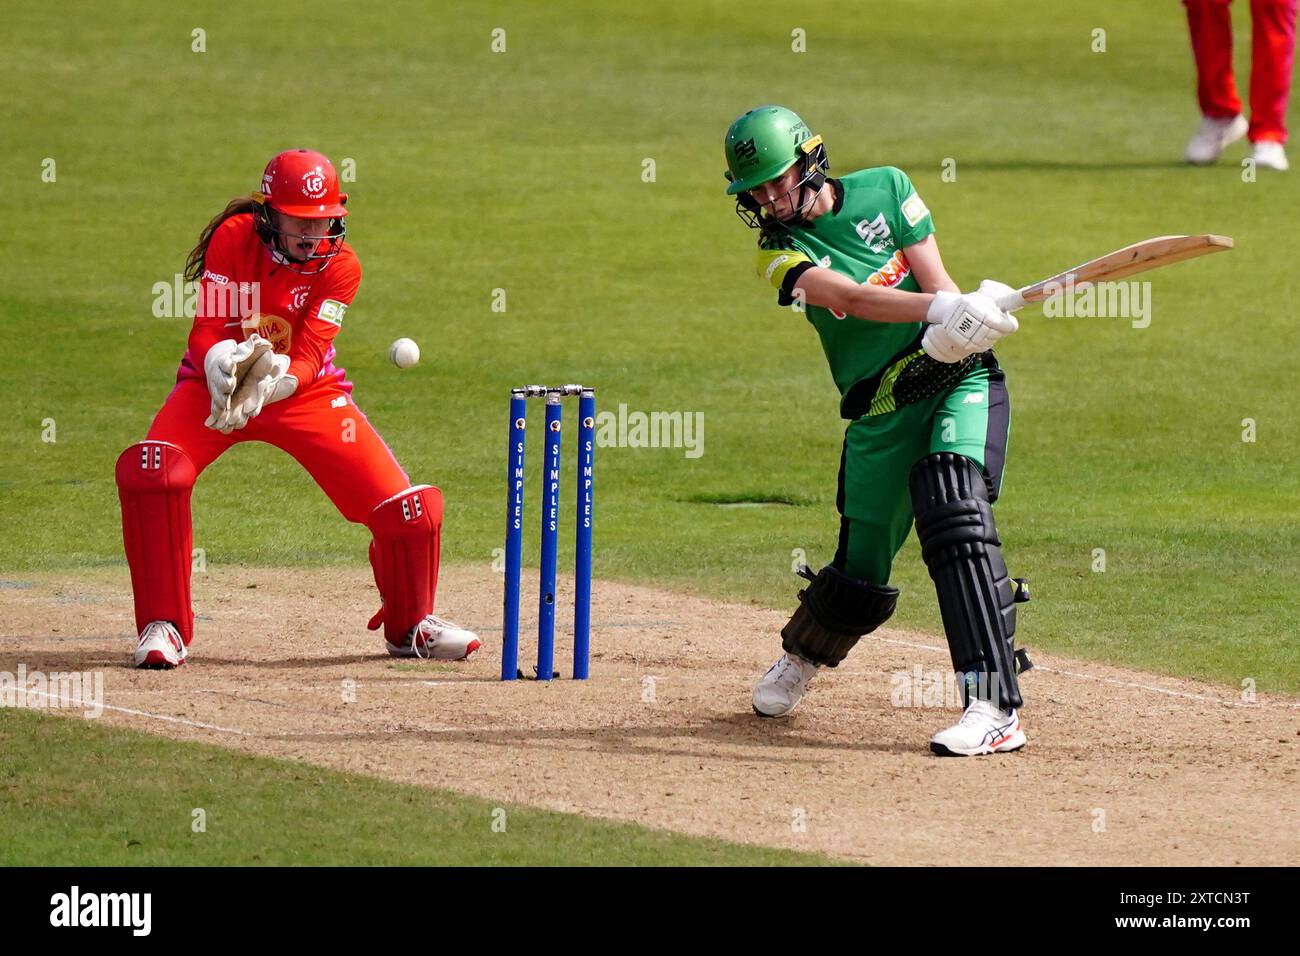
{"x": 914, "y": 209}
{"x": 331, "y": 310}
{"x": 892, "y": 272}
{"x": 276, "y": 330}
{"x": 209, "y": 274}
{"x": 875, "y": 233}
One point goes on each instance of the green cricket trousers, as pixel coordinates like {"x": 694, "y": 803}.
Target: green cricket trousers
{"x": 973, "y": 418}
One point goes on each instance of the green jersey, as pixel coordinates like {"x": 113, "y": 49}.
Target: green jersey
{"x": 877, "y": 214}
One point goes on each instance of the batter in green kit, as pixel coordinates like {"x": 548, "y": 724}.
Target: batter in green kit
{"x": 928, "y": 412}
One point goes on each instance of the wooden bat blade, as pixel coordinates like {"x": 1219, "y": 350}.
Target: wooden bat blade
{"x": 1139, "y": 257}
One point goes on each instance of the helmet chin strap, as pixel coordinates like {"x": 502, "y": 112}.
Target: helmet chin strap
{"x": 815, "y": 183}
{"x": 815, "y": 168}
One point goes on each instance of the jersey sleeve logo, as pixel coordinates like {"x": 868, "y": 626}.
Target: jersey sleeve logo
{"x": 774, "y": 265}
{"x": 914, "y": 209}
{"x": 331, "y": 310}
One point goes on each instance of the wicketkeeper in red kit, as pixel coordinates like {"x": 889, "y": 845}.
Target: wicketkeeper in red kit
{"x": 276, "y": 278}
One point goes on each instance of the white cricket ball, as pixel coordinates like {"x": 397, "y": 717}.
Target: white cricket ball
{"x": 404, "y": 353}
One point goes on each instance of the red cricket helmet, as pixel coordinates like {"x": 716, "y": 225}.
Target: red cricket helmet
{"x": 302, "y": 183}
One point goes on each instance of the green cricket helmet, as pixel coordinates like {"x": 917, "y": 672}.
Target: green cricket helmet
{"x": 762, "y": 145}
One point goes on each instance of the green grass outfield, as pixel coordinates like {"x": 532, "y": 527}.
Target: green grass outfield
{"x": 522, "y": 171}
{"x": 137, "y": 807}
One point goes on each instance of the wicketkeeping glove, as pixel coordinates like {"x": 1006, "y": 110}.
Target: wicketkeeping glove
{"x": 265, "y": 382}
{"x": 219, "y": 368}
{"x": 226, "y": 365}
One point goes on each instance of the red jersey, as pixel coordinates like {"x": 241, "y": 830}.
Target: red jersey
{"x": 244, "y": 290}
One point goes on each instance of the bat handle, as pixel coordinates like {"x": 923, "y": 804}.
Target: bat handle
{"x": 1011, "y": 301}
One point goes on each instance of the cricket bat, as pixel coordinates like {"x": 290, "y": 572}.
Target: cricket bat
{"x": 1139, "y": 257}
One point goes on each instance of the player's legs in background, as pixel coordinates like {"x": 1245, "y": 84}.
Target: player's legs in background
{"x": 1210, "y": 24}
{"x": 1272, "y": 48}
{"x": 953, "y": 488}
{"x": 332, "y": 439}
{"x": 851, "y": 596}
{"x": 154, "y": 480}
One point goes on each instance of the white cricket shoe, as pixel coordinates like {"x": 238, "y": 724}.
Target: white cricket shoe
{"x": 984, "y": 728}
{"x": 1271, "y": 155}
{"x": 1213, "y": 136}
{"x": 437, "y": 639}
{"x": 160, "y": 647}
{"x": 782, "y": 686}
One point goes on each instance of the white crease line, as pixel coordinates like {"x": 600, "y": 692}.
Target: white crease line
{"x": 414, "y": 684}
{"x": 297, "y": 688}
{"x": 429, "y": 683}
{"x": 79, "y": 702}
{"x": 352, "y": 733}
{"x": 180, "y": 720}
{"x": 1171, "y": 692}
{"x": 1118, "y": 683}
{"x": 229, "y": 730}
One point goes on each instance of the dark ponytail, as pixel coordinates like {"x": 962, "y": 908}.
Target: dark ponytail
{"x": 236, "y": 207}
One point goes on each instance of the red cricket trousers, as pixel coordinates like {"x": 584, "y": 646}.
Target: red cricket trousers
{"x": 322, "y": 428}
{"x": 1272, "y": 52}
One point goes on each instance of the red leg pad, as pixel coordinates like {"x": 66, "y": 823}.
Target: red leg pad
{"x": 154, "y": 479}
{"x": 377, "y": 621}
{"x": 407, "y": 531}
